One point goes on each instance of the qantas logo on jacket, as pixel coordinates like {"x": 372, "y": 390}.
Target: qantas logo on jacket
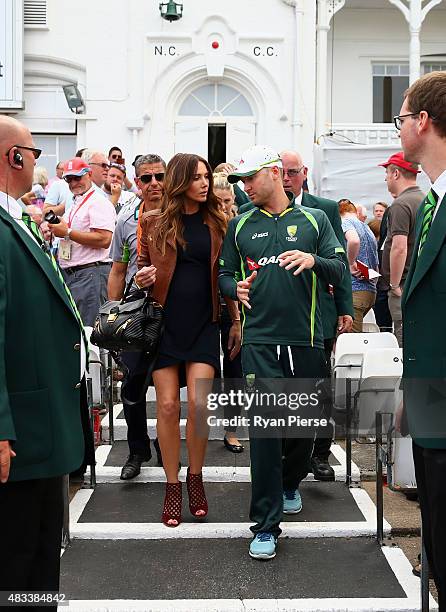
{"x": 263, "y": 261}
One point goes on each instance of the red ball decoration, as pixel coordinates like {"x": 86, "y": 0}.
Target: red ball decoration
{"x": 215, "y": 45}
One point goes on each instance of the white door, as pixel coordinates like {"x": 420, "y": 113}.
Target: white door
{"x": 191, "y": 136}
{"x": 240, "y": 135}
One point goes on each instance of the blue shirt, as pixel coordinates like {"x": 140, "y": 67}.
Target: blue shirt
{"x": 368, "y": 251}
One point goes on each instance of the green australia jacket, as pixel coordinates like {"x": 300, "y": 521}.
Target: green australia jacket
{"x": 39, "y": 361}
{"x": 285, "y": 309}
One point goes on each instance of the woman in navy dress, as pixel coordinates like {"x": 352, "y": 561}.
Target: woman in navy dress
{"x": 179, "y": 251}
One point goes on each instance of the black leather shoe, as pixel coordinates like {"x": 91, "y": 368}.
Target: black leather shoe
{"x": 233, "y": 448}
{"x": 322, "y": 470}
{"x": 132, "y": 467}
{"x": 159, "y": 458}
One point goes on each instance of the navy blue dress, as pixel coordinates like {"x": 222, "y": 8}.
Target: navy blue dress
{"x": 189, "y": 333}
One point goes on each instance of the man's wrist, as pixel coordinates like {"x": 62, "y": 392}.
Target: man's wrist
{"x": 394, "y": 286}
{"x": 68, "y": 234}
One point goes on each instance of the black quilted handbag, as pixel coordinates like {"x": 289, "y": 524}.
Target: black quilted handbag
{"x": 133, "y": 324}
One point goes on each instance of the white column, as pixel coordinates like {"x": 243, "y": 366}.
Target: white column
{"x": 414, "y": 13}
{"x": 326, "y": 9}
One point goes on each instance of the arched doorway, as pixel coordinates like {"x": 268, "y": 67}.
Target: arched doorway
{"x": 216, "y": 121}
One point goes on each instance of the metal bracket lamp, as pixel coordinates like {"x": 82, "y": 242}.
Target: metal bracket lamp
{"x": 74, "y": 99}
{"x": 171, "y": 11}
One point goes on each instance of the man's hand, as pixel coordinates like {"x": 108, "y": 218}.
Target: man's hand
{"x": 115, "y": 190}
{"x": 59, "y": 229}
{"x": 243, "y": 288}
{"x": 397, "y": 291}
{"x": 345, "y": 324}
{"x": 227, "y": 169}
{"x": 146, "y": 276}
{"x": 6, "y": 453}
{"x": 354, "y": 271}
{"x": 291, "y": 259}
{"x": 234, "y": 339}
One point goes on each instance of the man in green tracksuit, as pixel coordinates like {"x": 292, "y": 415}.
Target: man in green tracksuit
{"x": 272, "y": 258}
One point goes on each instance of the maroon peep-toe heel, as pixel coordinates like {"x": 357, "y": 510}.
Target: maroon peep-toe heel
{"x": 198, "y": 504}
{"x": 173, "y": 502}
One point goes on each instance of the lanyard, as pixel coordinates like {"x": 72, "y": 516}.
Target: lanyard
{"x": 139, "y": 228}
{"x": 72, "y": 214}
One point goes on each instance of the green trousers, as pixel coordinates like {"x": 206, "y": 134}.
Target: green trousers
{"x": 281, "y": 461}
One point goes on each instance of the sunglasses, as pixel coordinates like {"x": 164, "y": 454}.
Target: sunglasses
{"x": 71, "y": 178}
{"x": 104, "y": 166}
{"x": 116, "y": 156}
{"x": 118, "y": 167}
{"x": 36, "y": 152}
{"x": 147, "y": 178}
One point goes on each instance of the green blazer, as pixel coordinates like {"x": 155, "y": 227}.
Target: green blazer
{"x": 424, "y": 335}
{"x": 341, "y": 302}
{"x": 39, "y": 361}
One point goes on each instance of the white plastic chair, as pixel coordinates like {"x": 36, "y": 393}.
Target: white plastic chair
{"x": 370, "y": 328}
{"x": 370, "y": 317}
{"x": 379, "y": 389}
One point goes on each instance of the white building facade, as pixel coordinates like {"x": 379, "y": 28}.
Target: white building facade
{"x": 222, "y": 77}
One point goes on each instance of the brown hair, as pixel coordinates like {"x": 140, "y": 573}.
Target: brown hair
{"x": 407, "y": 174}
{"x": 179, "y": 175}
{"x": 346, "y": 206}
{"x": 428, "y": 93}
{"x": 375, "y": 226}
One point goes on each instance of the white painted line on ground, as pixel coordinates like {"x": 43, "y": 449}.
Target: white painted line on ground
{"x": 78, "y": 503}
{"x": 402, "y": 569}
{"x": 108, "y": 474}
{"x": 157, "y": 531}
{"x": 367, "y": 507}
{"x": 385, "y": 604}
{"x": 340, "y": 454}
{"x": 101, "y": 454}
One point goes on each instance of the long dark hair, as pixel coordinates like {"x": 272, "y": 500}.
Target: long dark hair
{"x": 179, "y": 175}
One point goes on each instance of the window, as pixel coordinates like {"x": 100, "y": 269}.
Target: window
{"x": 54, "y": 149}
{"x": 389, "y": 83}
{"x": 215, "y": 101}
{"x": 34, "y": 13}
{"x": 433, "y": 67}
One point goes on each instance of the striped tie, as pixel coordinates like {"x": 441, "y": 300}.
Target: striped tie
{"x": 33, "y": 228}
{"x": 429, "y": 209}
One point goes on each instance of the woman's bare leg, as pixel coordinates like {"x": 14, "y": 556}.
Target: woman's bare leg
{"x": 196, "y": 440}
{"x": 167, "y": 387}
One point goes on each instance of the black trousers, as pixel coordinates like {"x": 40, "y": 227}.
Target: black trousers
{"x": 31, "y": 517}
{"x": 231, "y": 369}
{"x": 382, "y": 312}
{"x": 134, "y": 389}
{"x": 430, "y": 472}
{"x": 324, "y": 435}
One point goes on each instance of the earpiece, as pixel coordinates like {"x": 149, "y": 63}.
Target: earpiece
{"x": 18, "y": 159}
{"x": 15, "y": 158}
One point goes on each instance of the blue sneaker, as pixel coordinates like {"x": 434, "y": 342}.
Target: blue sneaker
{"x": 263, "y": 546}
{"x": 292, "y": 501}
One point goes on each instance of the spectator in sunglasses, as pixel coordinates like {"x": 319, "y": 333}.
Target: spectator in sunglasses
{"x": 99, "y": 166}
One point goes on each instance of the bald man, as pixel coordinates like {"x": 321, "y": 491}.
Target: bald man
{"x": 336, "y": 302}
{"x": 40, "y": 370}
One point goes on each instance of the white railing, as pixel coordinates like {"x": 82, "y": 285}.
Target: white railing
{"x": 367, "y": 133}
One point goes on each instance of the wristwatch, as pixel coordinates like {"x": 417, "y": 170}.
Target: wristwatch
{"x": 68, "y": 234}
{"x": 394, "y": 286}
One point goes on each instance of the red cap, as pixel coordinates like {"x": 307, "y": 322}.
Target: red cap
{"x": 398, "y": 160}
{"x": 75, "y": 167}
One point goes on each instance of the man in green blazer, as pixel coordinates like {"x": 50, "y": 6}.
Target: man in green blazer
{"x": 40, "y": 379}
{"x": 422, "y": 125}
{"x": 336, "y": 302}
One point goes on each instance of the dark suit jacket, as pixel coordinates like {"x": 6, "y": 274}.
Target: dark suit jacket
{"x": 39, "y": 361}
{"x": 341, "y": 302}
{"x": 424, "y": 335}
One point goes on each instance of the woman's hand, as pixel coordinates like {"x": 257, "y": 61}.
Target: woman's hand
{"x": 146, "y": 277}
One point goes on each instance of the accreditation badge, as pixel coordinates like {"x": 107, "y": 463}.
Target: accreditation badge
{"x": 65, "y": 249}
